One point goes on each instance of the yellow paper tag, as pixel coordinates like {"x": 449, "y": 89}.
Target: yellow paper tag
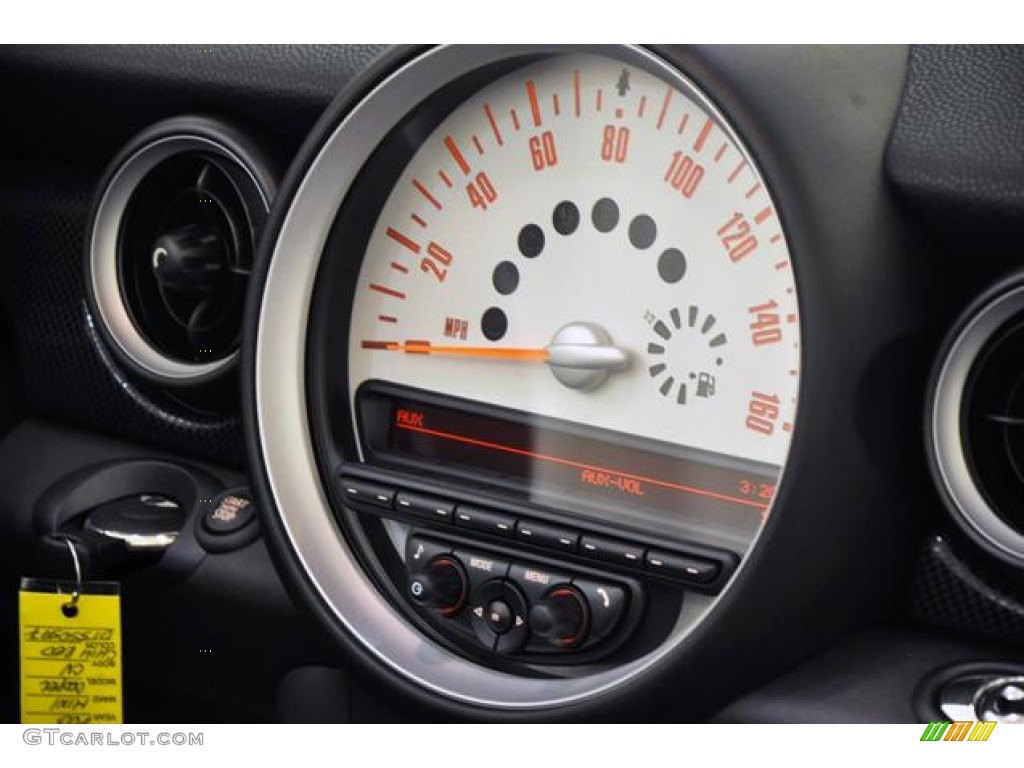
{"x": 70, "y": 665}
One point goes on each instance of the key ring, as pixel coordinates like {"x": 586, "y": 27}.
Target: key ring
{"x": 70, "y": 610}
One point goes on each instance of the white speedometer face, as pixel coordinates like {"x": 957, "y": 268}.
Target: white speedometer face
{"x": 586, "y": 241}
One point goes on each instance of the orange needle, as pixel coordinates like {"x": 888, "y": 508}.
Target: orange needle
{"x": 426, "y": 348}
{"x": 581, "y": 355}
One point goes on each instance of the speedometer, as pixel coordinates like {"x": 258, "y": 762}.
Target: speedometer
{"x": 527, "y": 366}
{"x": 586, "y": 241}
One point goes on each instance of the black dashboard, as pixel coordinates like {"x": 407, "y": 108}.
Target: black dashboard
{"x": 522, "y": 382}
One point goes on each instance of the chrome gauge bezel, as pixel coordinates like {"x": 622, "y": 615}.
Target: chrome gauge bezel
{"x": 282, "y": 406}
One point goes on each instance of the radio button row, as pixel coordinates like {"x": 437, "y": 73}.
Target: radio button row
{"x": 549, "y": 536}
{"x": 612, "y": 551}
{"x": 702, "y": 571}
{"x": 484, "y": 520}
{"x": 695, "y": 570}
{"x": 362, "y": 491}
{"x": 427, "y": 507}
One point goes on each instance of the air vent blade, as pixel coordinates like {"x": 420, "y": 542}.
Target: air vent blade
{"x": 1008, "y": 421}
{"x": 205, "y": 322}
{"x": 204, "y": 181}
{"x": 214, "y": 192}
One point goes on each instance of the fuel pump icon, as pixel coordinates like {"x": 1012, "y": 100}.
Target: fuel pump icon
{"x": 705, "y": 385}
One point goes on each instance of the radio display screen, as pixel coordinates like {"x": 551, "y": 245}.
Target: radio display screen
{"x": 556, "y": 463}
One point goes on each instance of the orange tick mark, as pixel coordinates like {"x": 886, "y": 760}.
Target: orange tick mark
{"x": 531, "y": 92}
{"x": 494, "y": 124}
{"x": 402, "y": 240}
{"x": 456, "y": 153}
{"x": 702, "y": 137}
{"x": 576, "y": 90}
{"x": 426, "y": 193}
{"x": 664, "y": 107}
{"x": 386, "y": 291}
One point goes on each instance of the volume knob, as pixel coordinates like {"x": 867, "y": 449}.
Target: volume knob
{"x": 442, "y": 585}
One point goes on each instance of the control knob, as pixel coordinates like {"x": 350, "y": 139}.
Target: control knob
{"x": 562, "y": 617}
{"x": 441, "y": 585}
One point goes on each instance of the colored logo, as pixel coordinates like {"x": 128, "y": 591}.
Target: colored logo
{"x": 959, "y": 730}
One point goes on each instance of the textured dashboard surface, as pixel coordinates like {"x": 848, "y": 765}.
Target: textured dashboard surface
{"x": 870, "y": 678}
{"x": 957, "y": 147}
{"x": 73, "y": 108}
{"x": 76, "y": 101}
{"x": 969, "y": 597}
{"x": 295, "y": 72}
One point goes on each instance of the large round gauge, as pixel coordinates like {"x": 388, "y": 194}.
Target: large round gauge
{"x": 527, "y": 367}
{"x": 581, "y": 215}
{"x": 588, "y": 241}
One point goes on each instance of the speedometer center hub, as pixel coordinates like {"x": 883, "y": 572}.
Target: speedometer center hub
{"x": 582, "y": 356}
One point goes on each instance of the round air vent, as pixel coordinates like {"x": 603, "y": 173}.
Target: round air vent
{"x": 170, "y": 249}
{"x": 976, "y": 422}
